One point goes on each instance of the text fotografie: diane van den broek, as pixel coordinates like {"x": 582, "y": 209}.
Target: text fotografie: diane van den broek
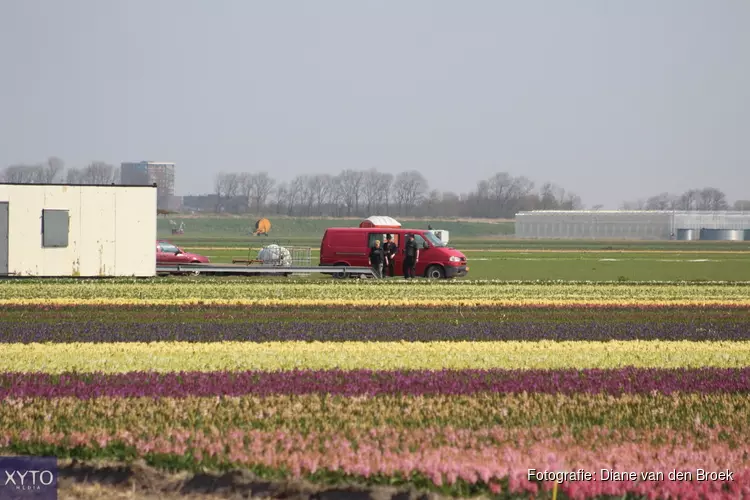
{"x": 614, "y": 475}
{"x": 673, "y": 475}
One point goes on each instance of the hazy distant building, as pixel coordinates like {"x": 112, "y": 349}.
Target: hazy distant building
{"x": 639, "y": 224}
{"x": 150, "y": 172}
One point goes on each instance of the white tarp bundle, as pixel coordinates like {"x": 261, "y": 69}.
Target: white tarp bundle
{"x": 275, "y": 255}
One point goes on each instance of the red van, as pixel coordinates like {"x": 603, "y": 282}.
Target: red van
{"x": 350, "y": 246}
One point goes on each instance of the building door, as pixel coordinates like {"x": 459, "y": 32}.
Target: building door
{"x": 4, "y": 238}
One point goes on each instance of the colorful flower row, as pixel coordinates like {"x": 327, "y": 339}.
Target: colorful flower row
{"x": 399, "y": 301}
{"x": 249, "y": 292}
{"x": 628, "y": 414}
{"x": 369, "y": 383}
{"x": 366, "y": 332}
{"x": 439, "y": 455}
{"x": 271, "y": 356}
{"x": 572, "y": 313}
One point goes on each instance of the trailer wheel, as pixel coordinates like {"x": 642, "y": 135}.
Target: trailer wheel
{"x": 340, "y": 275}
{"x": 435, "y": 272}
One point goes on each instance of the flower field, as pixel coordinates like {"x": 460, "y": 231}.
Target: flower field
{"x": 460, "y": 388}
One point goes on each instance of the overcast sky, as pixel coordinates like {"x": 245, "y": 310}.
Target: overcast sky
{"x": 612, "y": 100}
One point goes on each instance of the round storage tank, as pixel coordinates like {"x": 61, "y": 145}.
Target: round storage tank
{"x": 687, "y": 234}
{"x": 723, "y": 234}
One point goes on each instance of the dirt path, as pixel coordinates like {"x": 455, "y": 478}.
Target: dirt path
{"x": 96, "y": 480}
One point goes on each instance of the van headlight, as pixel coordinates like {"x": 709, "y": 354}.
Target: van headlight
{"x": 453, "y": 258}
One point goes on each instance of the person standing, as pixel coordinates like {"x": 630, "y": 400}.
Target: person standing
{"x": 390, "y": 250}
{"x": 411, "y": 256}
{"x": 376, "y": 259}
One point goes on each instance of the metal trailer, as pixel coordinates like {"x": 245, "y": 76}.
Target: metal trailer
{"x": 240, "y": 270}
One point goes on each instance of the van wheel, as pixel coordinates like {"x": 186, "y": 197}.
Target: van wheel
{"x": 435, "y": 272}
{"x": 340, "y": 275}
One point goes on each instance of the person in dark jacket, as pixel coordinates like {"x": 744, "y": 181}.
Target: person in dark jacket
{"x": 389, "y": 249}
{"x": 411, "y": 256}
{"x": 376, "y": 259}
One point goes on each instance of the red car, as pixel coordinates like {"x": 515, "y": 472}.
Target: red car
{"x": 167, "y": 253}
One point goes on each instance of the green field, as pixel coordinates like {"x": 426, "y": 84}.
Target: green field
{"x": 237, "y": 229}
{"x": 492, "y": 251}
{"x": 584, "y": 265}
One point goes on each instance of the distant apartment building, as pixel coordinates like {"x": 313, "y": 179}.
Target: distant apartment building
{"x": 153, "y": 172}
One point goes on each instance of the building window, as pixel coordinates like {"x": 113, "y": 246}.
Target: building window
{"x": 55, "y": 228}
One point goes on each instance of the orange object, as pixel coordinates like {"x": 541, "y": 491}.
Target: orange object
{"x": 262, "y": 226}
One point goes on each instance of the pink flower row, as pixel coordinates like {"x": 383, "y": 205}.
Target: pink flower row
{"x": 390, "y": 451}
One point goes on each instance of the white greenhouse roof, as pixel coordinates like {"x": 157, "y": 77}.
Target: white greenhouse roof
{"x": 383, "y": 220}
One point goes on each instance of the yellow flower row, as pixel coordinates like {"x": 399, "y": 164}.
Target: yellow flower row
{"x": 272, "y": 356}
{"x": 335, "y": 293}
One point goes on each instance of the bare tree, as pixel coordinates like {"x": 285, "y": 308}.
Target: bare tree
{"x": 53, "y": 169}
{"x": 350, "y": 185}
{"x": 573, "y": 202}
{"x": 231, "y": 185}
{"x": 307, "y": 194}
{"x": 320, "y": 190}
{"x": 262, "y": 186}
{"x": 74, "y": 176}
{"x": 280, "y": 195}
{"x": 246, "y": 181}
{"x": 548, "y": 199}
{"x": 507, "y": 192}
{"x": 98, "y": 173}
{"x": 433, "y": 199}
{"x": 409, "y": 187}
{"x": 371, "y": 188}
{"x": 712, "y": 199}
{"x": 22, "y": 174}
{"x": 500, "y": 186}
{"x": 226, "y": 186}
{"x": 384, "y": 182}
{"x": 295, "y": 192}
{"x": 662, "y": 201}
{"x": 335, "y": 196}
{"x": 689, "y": 200}
{"x": 375, "y": 189}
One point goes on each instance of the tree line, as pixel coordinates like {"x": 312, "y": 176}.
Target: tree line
{"x": 704, "y": 199}
{"x": 53, "y": 171}
{"x": 368, "y": 192}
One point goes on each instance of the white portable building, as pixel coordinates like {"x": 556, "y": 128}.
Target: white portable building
{"x": 77, "y": 230}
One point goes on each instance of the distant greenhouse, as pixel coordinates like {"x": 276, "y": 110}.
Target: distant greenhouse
{"x": 635, "y": 224}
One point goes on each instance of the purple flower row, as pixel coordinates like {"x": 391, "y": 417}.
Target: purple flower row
{"x": 367, "y": 382}
{"x": 367, "y": 332}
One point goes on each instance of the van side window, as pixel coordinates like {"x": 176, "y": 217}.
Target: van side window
{"x": 419, "y": 241}
{"x": 373, "y": 237}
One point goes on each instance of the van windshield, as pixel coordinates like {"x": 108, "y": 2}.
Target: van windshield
{"x": 434, "y": 240}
